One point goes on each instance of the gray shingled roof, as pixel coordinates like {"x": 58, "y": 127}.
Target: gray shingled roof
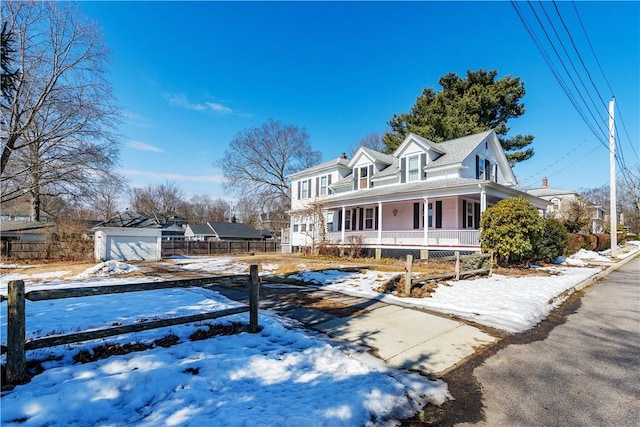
{"x": 458, "y": 149}
{"x": 201, "y": 230}
{"x": 549, "y": 192}
{"x": 334, "y": 162}
{"x": 378, "y": 156}
{"x": 424, "y": 141}
{"x": 404, "y": 188}
{"x": 235, "y": 231}
{"x": 130, "y": 219}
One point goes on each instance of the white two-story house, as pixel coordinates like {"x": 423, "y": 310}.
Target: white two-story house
{"x": 426, "y": 196}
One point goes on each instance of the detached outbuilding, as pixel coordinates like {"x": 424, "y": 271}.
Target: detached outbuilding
{"x": 129, "y": 236}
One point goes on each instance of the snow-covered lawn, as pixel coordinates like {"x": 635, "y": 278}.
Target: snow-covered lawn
{"x": 284, "y": 375}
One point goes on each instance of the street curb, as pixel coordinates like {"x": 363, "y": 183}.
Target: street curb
{"x": 596, "y": 277}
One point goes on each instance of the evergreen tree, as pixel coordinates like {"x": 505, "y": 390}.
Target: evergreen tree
{"x": 463, "y": 107}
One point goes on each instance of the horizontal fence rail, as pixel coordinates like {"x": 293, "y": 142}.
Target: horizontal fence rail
{"x": 435, "y": 238}
{"x": 192, "y": 247}
{"x": 17, "y": 344}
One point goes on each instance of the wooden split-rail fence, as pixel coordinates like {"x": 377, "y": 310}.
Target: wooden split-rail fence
{"x": 410, "y": 281}
{"x": 17, "y": 345}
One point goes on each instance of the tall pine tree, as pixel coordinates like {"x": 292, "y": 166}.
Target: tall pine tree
{"x": 463, "y": 107}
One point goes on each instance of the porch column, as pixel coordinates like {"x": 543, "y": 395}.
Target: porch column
{"x": 483, "y": 199}
{"x": 343, "y": 223}
{"x": 426, "y": 221}
{"x": 379, "y": 223}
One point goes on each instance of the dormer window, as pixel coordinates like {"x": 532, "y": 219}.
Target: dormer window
{"x": 413, "y": 170}
{"x": 304, "y": 191}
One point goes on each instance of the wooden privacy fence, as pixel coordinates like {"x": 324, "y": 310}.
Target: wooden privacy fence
{"x": 189, "y": 247}
{"x": 485, "y": 261}
{"x": 17, "y": 344}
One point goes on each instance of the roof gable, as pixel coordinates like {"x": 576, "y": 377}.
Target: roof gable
{"x": 424, "y": 144}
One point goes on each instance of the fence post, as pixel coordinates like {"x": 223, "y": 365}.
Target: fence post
{"x": 16, "y": 359}
{"x": 254, "y": 291}
{"x": 457, "y": 265}
{"x": 408, "y": 276}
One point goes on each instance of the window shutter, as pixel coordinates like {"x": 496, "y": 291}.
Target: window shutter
{"x": 299, "y": 189}
{"x": 487, "y": 169}
{"x": 317, "y": 186}
{"x": 495, "y": 173}
{"x": 403, "y": 170}
{"x": 477, "y": 167}
{"x": 464, "y": 213}
{"x": 423, "y": 164}
{"x": 377, "y": 212}
{"x": 361, "y": 218}
{"x": 355, "y": 178}
{"x": 328, "y": 179}
{"x": 353, "y": 219}
{"x": 416, "y": 216}
{"x": 438, "y": 213}
{"x": 476, "y": 216}
{"x": 340, "y": 220}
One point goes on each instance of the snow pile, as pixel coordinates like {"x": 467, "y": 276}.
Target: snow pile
{"x": 226, "y": 265}
{"x": 513, "y": 304}
{"x": 106, "y": 269}
{"x": 280, "y": 376}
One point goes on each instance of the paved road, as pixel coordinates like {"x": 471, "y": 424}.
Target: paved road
{"x": 585, "y": 373}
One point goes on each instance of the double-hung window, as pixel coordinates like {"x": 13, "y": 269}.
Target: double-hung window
{"x": 413, "y": 169}
{"x": 304, "y": 192}
{"x": 368, "y": 218}
{"x": 347, "y": 219}
{"x": 323, "y": 185}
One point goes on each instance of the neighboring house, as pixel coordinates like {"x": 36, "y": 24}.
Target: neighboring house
{"x": 386, "y": 199}
{"x": 235, "y": 231}
{"x": 274, "y": 222}
{"x": 564, "y": 203}
{"x": 199, "y": 232}
{"x": 129, "y": 236}
{"x": 26, "y": 231}
{"x": 226, "y": 231}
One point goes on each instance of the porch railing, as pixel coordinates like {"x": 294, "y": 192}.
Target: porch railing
{"x": 413, "y": 238}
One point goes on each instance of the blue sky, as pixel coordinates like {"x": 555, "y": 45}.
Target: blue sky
{"x": 191, "y": 75}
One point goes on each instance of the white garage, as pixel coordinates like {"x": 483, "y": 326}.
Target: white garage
{"x": 128, "y": 237}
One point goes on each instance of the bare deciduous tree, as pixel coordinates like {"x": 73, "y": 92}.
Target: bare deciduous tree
{"x": 58, "y": 122}
{"x": 259, "y": 159}
{"x": 370, "y": 140}
{"x": 202, "y": 209}
{"x": 160, "y": 200}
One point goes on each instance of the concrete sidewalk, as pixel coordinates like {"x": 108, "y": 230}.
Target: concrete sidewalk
{"x": 403, "y": 337}
{"x": 409, "y": 338}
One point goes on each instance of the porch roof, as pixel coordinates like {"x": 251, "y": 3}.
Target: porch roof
{"x": 437, "y": 188}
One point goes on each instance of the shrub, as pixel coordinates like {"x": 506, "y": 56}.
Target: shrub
{"x": 589, "y": 242}
{"x": 354, "y": 247}
{"x": 603, "y": 241}
{"x": 511, "y": 229}
{"x": 553, "y": 241}
{"x": 325, "y": 249}
{"x": 574, "y": 243}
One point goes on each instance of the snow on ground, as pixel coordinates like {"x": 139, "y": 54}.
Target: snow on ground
{"x": 281, "y": 376}
{"x": 226, "y": 265}
{"x": 108, "y": 268}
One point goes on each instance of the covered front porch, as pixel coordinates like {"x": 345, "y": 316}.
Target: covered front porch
{"x": 453, "y": 223}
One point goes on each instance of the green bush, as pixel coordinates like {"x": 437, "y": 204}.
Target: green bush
{"x": 511, "y": 229}
{"x": 553, "y": 241}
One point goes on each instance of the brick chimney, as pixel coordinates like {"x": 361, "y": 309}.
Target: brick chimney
{"x": 545, "y": 182}
{"x": 344, "y": 156}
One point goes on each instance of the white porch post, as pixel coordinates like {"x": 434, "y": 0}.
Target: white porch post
{"x": 483, "y": 200}
{"x": 426, "y": 221}
{"x": 379, "y": 223}
{"x": 343, "y": 223}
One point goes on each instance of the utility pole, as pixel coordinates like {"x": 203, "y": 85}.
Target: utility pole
{"x": 612, "y": 182}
